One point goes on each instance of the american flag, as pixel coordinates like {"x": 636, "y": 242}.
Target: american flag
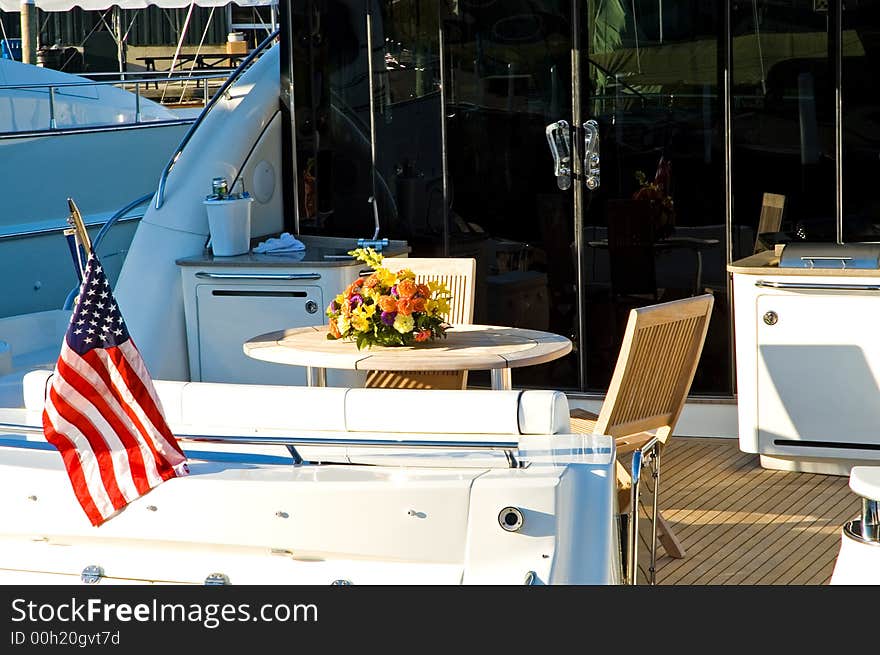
{"x": 102, "y": 412}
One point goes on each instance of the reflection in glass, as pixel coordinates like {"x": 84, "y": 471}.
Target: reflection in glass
{"x": 332, "y": 98}
{"x": 861, "y": 122}
{"x": 407, "y": 116}
{"x": 655, "y": 230}
{"x": 783, "y": 122}
{"x": 508, "y": 75}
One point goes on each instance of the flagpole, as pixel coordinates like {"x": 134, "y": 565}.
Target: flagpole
{"x": 82, "y": 234}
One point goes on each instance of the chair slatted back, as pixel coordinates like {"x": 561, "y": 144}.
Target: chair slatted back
{"x": 655, "y": 368}
{"x": 459, "y": 275}
{"x": 772, "y": 208}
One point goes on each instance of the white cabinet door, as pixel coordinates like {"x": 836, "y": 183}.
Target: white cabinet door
{"x": 818, "y": 370}
{"x": 231, "y": 314}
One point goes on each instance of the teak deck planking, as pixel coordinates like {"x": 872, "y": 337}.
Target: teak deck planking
{"x": 741, "y": 524}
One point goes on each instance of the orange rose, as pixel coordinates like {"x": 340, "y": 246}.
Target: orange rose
{"x": 405, "y": 306}
{"x": 423, "y": 290}
{"x": 423, "y": 335}
{"x": 371, "y": 282}
{"x": 406, "y": 289}
{"x": 387, "y": 304}
{"x": 334, "y": 329}
{"x": 359, "y": 282}
{"x": 418, "y": 304}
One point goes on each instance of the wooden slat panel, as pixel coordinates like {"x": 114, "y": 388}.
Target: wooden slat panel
{"x": 458, "y": 276}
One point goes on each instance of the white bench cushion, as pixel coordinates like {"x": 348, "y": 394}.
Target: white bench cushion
{"x": 337, "y": 409}
{"x": 456, "y": 412}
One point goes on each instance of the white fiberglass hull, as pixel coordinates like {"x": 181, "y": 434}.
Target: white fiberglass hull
{"x": 265, "y": 523}
{"x": 102, "y": 171}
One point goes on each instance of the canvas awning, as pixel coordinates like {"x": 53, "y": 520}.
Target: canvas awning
{"x": 694, "y": 62}
{"x": 99, "y": 5}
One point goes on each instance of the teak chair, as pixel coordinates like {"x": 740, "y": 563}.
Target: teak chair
{"x": 655, "y": 368}
{"x": 772, "y": 208}
{"x": 459, "y": 274}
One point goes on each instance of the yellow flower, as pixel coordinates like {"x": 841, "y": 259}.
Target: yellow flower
{"x": 369, "y": 256}
{"x": 343, "y": 324}
{"x": 340, "y": 299}
{"x": 405, "y": 274}
{"x": 439, "y": 306}
{"x": 386, "y": 277}
{"x": 437, "y": 287}
{"x": 359, "y": 323}
{"x": 403, "y": 324}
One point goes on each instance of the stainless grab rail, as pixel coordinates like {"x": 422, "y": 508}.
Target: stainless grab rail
{"x": 95, "y": 129}
{"x": 163, "y": 179}
{"x": 291, "y": 442}
{"x": 110, "y": 222}
{"x": 647, "y": 454}
{"x": 116, "y": 83}
{"x": 813, "y": 286}
{"x": 59, "y": 87}
{"x": 258, "y": 276}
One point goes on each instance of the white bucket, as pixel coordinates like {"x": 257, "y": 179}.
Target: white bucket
{"x": 235, "y": 36}
{"x": 229, "y": 221}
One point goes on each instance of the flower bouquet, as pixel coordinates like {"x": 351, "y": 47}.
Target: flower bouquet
{"x": 656, "y": 192}
{"x": 388, "y": 309}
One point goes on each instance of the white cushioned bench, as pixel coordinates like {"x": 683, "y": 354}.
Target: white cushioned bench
{"x": 202, "y": 408}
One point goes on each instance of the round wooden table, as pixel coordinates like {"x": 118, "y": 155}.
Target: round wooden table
{"x": 466, "y": 347}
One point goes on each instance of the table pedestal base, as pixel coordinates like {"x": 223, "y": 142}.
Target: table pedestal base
{"x": 316, "y": 376}
{"x": 501, "y": 378}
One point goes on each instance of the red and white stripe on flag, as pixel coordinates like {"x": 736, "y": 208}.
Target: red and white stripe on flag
{"x": 102, "y": 411}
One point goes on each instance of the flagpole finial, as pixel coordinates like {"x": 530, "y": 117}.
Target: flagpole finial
{"x": 76, "y": 220}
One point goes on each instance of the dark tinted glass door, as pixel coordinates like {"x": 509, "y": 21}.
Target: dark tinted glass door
{"x": 654, "y": 229}
{"x": 860, "y": 45}
{"x": 508, "y": 74}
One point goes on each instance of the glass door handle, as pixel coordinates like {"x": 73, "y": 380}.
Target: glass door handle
{"x": 591, "y": 154}
{"x": 559, "y": 140}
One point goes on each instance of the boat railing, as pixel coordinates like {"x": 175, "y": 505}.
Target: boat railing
{"x": 138, "y": 87}
{"x": 171, "y": 81}
{"x": 509, "y": 448}
{"x": 71, "y": 296}
{"x": 648, "y": 455}
{"x": 242, "y": 67}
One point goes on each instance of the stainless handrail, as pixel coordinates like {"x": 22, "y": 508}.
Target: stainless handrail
{"x": 149, "y": 80}
{"x": 117, "y": 216}
{"x": 61, "y": 227}
{"x": 650, "y": 454}
{"x": 509, "y": 447}
{"x": 812, "y": 286}
{"x": 53, "y": 89}
{"x": 94, "y": 129}
{"x": 256, "y": 52}
{"x": 258, "y": 276}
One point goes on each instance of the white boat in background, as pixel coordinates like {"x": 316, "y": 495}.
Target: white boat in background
{"x": 63, "y": 136}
